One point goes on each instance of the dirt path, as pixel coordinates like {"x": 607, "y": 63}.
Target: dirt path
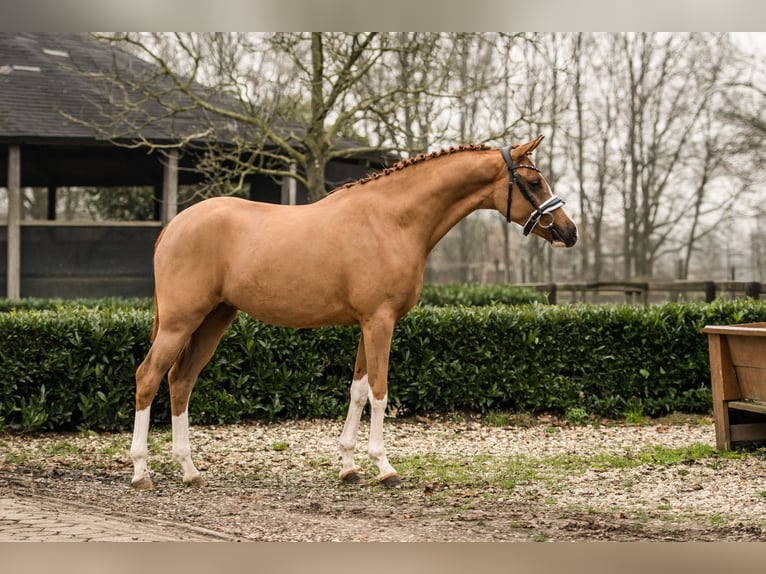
{"x": 464, "y": 481}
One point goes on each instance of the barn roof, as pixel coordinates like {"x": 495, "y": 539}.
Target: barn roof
{"x": 46, "y": 76}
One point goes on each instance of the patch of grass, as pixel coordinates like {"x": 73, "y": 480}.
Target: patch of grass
{"x": 61, "y": 447}
{"x": 16, "y": 458}
{"x": 279, "y": 445}
{"x": 497, "y": 419}
{"x": 577, "y": 416}
{"x": 428, "y": 468}
{"x": 155, "y": 443}
{"x": 503, "y": 474}
{"x": 634, "y": 416}
{"x": 658, "y": 454}
{"x": 117, "y": 447}
{"x": 164, "y": 466}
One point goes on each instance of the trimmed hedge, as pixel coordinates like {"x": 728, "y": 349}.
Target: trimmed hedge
{"x": 74, "y": 367}
{"x": 470, "y": 294}
{"x": 32, "y": 304}
{"x": 478, "y": 295}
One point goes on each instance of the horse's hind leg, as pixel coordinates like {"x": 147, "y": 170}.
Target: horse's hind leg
{"x": 162, "y": 354}
{"x": 181, "y": 379}
{"x": 360, "y": 388}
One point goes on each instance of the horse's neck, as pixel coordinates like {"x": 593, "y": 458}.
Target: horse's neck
{"x": 451, "y": 188}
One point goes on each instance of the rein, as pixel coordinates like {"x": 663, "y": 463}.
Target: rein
{"x": 549, "y": 205}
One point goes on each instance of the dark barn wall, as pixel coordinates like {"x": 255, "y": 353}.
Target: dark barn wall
{"x": 342, "y": 171}
{"x": 69, "y": 261}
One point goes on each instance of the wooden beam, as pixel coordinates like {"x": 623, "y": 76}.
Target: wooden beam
{"x": 290, "y": 188}
{"x": 52, "y": 203}
{"x": 170, "y": 187}
{"x": 725, "y": 387}
{"x": 13, "y": 285}
{"x": 750, "y": 406}
{"x": 748, "y": 432}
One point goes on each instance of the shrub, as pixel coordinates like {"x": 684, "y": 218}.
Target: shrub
{"x": 470, "y": 294}
{"x": 70, "y": 368}
{"x": 475, "y": 294}
{"x": 7, "y": 305}
{"x": 74, "y": 367}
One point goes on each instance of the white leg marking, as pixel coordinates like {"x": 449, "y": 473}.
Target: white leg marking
{"x": 182, "y": 447}
{"x": 377, "y": 450}
{"x": 139, "y": 451}
{"x": 359, "y": 390}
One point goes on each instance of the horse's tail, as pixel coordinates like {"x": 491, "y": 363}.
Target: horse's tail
{"x": 156, "y": 322}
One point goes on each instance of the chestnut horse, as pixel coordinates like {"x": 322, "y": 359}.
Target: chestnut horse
{"x": 355, "y": 257}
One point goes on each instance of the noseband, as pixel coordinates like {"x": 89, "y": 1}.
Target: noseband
{"x": 549, "y": 205}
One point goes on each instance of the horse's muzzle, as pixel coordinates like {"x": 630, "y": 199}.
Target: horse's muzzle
{"x": 563, "y": 236}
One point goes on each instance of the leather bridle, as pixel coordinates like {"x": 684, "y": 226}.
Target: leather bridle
{"x": 549, "y": 205}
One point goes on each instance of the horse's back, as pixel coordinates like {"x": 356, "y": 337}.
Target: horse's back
{"x": 211, "y": 226}
{"x": 279, "y": 263}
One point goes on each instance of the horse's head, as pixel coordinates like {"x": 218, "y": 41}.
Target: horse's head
{"x": 529, "y": 201}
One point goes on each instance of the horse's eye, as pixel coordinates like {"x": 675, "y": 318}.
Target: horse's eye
{"x": 536, "y": 184}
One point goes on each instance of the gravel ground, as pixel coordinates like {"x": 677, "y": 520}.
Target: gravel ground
{"x": 464, "y": 480}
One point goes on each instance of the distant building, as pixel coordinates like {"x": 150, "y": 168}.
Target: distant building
{"x": 45, "y": 77}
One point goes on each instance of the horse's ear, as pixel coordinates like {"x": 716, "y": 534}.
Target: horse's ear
{"x": 519, "y": 151}
{"x": 536, "y": 142}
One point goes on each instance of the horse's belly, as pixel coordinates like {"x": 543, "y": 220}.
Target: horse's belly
{"x": 297, "y": 315}
{"x": 303, "y": 302}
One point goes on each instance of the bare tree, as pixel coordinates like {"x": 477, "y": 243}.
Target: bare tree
{"x": 665, "y": 107}
{"x": 647, "y": 140}
{"x": 296, "y": 107}
{"x": 541, "y": 102}
{"x": 416, "y": 67}
{"x": 592, "y": 138}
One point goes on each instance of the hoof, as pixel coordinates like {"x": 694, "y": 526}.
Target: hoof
{"x": 391, "y": 481}
{"x": 196, "y": 482}
{"x": 144, "y": 483}
{"x": 351, "y": 477}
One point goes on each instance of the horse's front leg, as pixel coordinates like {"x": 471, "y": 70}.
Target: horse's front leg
{"x": 377, "y": 335}
{"x": 349, "y": 472}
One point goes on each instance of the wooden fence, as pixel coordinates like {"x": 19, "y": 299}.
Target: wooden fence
{"x": 648, "y": 292}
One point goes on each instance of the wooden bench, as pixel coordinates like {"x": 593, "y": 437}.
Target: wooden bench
{"x": 738, "y": 377}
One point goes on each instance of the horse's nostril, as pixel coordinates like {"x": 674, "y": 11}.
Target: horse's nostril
{"x": 572, "y": 238}
{"x": 567, "y": 236}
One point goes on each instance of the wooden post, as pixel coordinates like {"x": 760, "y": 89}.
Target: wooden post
{"x": 170, "y": 188}
{"x": 709, "y": 291}
{"x": 552, "y": 294}
{"x": 51, "y": 212}
{"x": 724, "y": 387}
{"x": 157, "y": 202}
{"x": 290, "y": 187}
{"x": 13, "y": 279}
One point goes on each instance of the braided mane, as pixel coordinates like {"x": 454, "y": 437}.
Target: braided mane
{"x": 400, "y": 165}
